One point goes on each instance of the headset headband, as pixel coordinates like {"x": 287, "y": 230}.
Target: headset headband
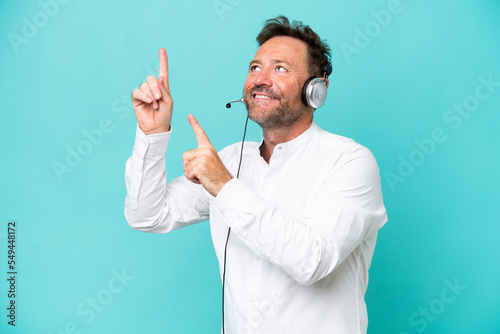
{"x": 327, "y": 69}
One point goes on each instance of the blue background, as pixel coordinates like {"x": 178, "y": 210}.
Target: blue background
{"x": 78, "y": 67}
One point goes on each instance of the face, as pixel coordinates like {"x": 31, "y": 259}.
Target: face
{"x": 273, "y": 89}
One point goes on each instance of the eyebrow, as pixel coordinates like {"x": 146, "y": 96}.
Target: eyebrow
{"x": 274, "y": 61}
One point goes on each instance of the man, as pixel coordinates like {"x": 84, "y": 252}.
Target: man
{"x": 304, "y": 211}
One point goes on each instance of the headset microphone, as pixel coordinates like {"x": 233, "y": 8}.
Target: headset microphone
{"x": 228, "y": 105}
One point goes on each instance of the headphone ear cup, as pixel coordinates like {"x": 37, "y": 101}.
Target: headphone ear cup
{"x": 304, "y": 92}
{"x": 314, "y": 92}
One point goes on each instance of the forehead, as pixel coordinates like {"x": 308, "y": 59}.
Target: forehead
{"x": 285, "y": 48}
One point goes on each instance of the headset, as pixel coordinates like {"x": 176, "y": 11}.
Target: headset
{"x": 314, "y": 91}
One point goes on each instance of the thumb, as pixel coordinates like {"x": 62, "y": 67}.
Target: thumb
{"x": 164, "y": 90}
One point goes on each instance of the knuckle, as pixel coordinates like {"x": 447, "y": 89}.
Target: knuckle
{"x": 208, "y": 151}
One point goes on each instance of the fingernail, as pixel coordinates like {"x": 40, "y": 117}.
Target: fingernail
{"x": 157, "y": 95}
{"x": 149, "y": 100}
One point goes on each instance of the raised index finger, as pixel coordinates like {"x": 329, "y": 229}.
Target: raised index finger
{"x": 164, "y": 66}
{"x": 201, "y": 136}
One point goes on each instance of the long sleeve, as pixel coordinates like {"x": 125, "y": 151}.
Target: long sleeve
{"x": 151, "y": 204}
{"x": 346, "y": 209}
{"x": 303, "y": 227}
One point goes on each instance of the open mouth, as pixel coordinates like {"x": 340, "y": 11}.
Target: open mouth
{"x": 262, "y": 97}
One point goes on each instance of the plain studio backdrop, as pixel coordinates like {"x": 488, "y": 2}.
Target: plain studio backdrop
{"x": 417, "y": 82}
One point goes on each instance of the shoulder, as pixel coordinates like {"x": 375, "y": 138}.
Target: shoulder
{"x": 351, "y": 167}
{"x": 343, "y": 148}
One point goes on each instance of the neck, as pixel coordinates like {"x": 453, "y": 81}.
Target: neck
{"x": 275, "y": 136}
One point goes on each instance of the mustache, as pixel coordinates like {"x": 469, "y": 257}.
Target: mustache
{"x": 264, "y": 91}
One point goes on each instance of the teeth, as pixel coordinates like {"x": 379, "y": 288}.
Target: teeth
{"x": 263, "y": 97}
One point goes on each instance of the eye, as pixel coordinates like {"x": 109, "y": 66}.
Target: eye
{"x": 280, "y": 68}
{"x": 254, "y": 68}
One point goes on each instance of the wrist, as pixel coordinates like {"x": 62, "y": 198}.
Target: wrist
{"x": 158, "y": 130}
{"x": 222, "y": 184}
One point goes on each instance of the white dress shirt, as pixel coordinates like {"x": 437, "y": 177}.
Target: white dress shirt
{"x": 303, "y": 228}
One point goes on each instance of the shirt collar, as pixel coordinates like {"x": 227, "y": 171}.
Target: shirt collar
{"x": 295, "y": 142}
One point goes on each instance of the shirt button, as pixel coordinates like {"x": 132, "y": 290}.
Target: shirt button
{"x": 253, "y": 298}
{"x": 257, "y": 257}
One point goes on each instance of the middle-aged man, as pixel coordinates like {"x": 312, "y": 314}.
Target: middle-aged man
{"x": 295, "y": 232}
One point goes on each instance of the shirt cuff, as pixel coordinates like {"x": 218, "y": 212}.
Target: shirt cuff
{"x": 151, "y": 145}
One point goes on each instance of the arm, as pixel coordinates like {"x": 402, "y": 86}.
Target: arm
{"x": 151, "y": 204}
{"x": 347, "y": 209}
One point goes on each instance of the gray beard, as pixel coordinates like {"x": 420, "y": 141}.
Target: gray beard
{"x": 279, "y": 118}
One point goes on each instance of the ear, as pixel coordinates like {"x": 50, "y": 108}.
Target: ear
{"x": 327, "y": 82}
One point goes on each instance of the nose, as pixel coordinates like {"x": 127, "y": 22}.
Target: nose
{"x": 263, "y": 79}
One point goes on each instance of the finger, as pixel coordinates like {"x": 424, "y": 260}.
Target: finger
{"x": 153, "y": 85}
{"x": 189, "y": 171}
{"x": 199, "y": 154}
{"x": 144, "y": 87}
{"x": 186, "y": 157}
{"x": 164, "y": 92}
{"x": 164, "y": 67}
{"x": 192, "y": 179}
{"x": 138, "y": 95}
{"x": 201, "y": 136}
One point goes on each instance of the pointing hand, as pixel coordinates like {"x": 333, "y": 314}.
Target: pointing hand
{"x": 203, "y": 165}
{"x": 152, "y": 101}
